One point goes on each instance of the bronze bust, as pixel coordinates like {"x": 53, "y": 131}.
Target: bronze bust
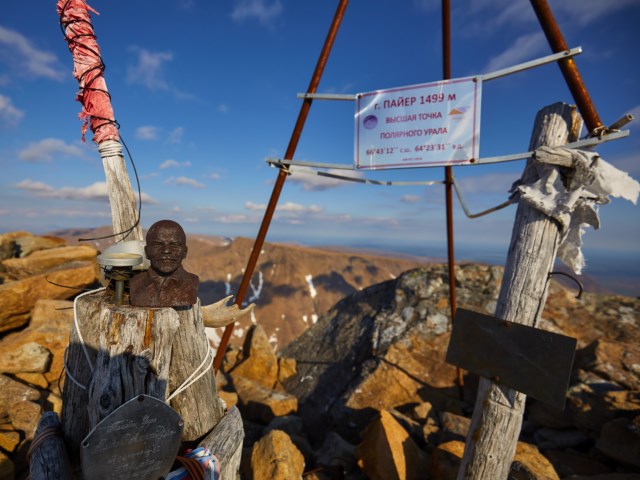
{"x": 166, "y": 283}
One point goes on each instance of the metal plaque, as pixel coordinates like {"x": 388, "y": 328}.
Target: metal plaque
{"x": 139, "y": 440}
{"x": 533, "y": 361}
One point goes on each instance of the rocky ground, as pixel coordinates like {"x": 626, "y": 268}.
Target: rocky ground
{"x": 365, "y": 392}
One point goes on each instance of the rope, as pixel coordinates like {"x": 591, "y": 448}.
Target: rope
{"x": 68, "y": 374}
{"x": 190, "y": 380}
{"x": 41, "y": 436}
{"x": 77, "y": 326}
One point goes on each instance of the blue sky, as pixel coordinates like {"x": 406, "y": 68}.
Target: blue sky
{"x": 205, "y": 91}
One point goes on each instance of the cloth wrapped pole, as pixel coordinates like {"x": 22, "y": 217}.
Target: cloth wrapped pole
{"x": 570, "y": 187}
{"x": 88, "y": 69}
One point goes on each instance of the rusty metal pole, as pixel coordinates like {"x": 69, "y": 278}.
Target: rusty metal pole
{"x": 282, "y": 175}
{"x": 567, "y": 66}
{"x": 448, "y": 179}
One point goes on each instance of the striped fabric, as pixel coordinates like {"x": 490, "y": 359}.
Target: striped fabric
{"x": 197, "y": 464}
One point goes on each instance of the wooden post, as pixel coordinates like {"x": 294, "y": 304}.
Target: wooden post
{"x": 124, "y": 215}
{"x": 118, "y": 352}
{"x": 497, "y": 417}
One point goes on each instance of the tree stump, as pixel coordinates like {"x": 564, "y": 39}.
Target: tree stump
{"x": 119, "y": 352}
{"x": 199, "y": 405}
{"x": 497, "y": 416}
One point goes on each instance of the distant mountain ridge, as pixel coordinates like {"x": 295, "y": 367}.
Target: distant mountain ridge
{"x": 292, "y": 286}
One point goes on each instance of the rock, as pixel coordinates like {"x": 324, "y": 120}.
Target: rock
{"x": 612, "y": 360}
{"x": 7, "y": 469}
{"x": 455, "y": 424}
{"x": 18, "y": 298}
{"x": 26, "y": 245}
{"x": 421, "y": 411}
{"x": 387, "y": 451}
{"x": 585, "y": 403}
{"x": 9, "y": 438}
{"x": 30, "y": 357}
{"x": 383, "y": 348}
{"x": 549, "y": 438}
{"x": 8, "y": 248}
{"x": 259, "y": 362}
{"x": 229, "y": 398}
{"x": 24, "y": 417}
{"x": 262, "y": 404}
{"x": 620, "y": 441}
{"x": 12, "y": 392}
{"x": 50, "y": 325}
{"x": 35, "y": 379}
{"x": 289, "y": 424}
{"x": 43, "y": 261}
{"x": 573, "y": 462}
{"x": 445, "y": 460}
{"x": 275, "y": 457}
{"x": 547, "y": 416}
{"x": 55, "y": 404}
{"x": 335, "y": 451}
{"x": 286, "y": 368}
{"x": 529, "y": 464}
{"x": 607, "y": 476}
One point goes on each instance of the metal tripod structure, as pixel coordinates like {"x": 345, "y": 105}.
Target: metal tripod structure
{"x": 571, "y": 75}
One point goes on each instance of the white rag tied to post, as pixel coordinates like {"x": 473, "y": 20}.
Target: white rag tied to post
{"x": 570, "y": 187}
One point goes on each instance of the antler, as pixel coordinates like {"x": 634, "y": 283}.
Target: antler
{"x": 220, "y": 314}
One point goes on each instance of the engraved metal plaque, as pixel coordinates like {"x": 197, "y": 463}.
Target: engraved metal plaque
{"x": 532, "y": 361}
{"x": 139, "y": 440}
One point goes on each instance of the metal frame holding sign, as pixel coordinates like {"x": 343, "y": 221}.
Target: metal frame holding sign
{"x": 422, "y": 125}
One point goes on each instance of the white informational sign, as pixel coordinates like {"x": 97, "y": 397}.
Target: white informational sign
{"x": 419, "y": 126}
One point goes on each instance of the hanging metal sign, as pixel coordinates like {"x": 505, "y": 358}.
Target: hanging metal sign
{"x": 139, "y": 440}
{"x": 420, "y": 125}
{"x": 530, "y": 360}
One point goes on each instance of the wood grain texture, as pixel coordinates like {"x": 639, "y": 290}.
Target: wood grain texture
{"x": 199, "y": 405}
{"x": 497, "y": 417}
{"x": 225, "y": 442}
{"x": 124, "y": 212}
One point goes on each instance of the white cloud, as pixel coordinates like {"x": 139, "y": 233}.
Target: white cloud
{"x": 45, "y": 150}
{"x": 149, "y": 69}
{"x": 584, "y": 12}
{"x": 189, "y": 182}
{"x": 260, "y": 207}
{"x": 223, "y": 108}
{"x": 174, "y": 164}
{"x": 259, "y": 9}
{"x": 526, "y": 47}
{"x": 311, "y": 181}
{"x": 26, "y": 60}
{"x": 176, "y": 135}
{"x": 410, "y": 198}
{"x": 215, "y": 176}
{"x": 147, "y": 132}
{"x": 9, "y": 115}
{"x": 291, "y": 207}
{"x": 96, "y": 191}
{"x": 234, "y": 219}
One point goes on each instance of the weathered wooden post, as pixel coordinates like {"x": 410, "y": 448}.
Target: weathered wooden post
{"x": 125, "y": 363}
{"x": 497, "y": 417}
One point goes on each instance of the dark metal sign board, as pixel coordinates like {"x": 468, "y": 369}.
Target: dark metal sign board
{"x": 139, "y": 440}
{"x": 533, "y": 361}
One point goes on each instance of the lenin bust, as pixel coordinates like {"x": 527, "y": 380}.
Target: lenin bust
{"x": 166, "y": 283}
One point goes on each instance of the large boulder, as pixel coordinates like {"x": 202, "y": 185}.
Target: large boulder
{"x": 383, "y": 347}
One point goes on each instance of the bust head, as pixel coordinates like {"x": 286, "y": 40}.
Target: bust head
{"x": 166, "y": 246}
{"x": 166, "y": 284}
